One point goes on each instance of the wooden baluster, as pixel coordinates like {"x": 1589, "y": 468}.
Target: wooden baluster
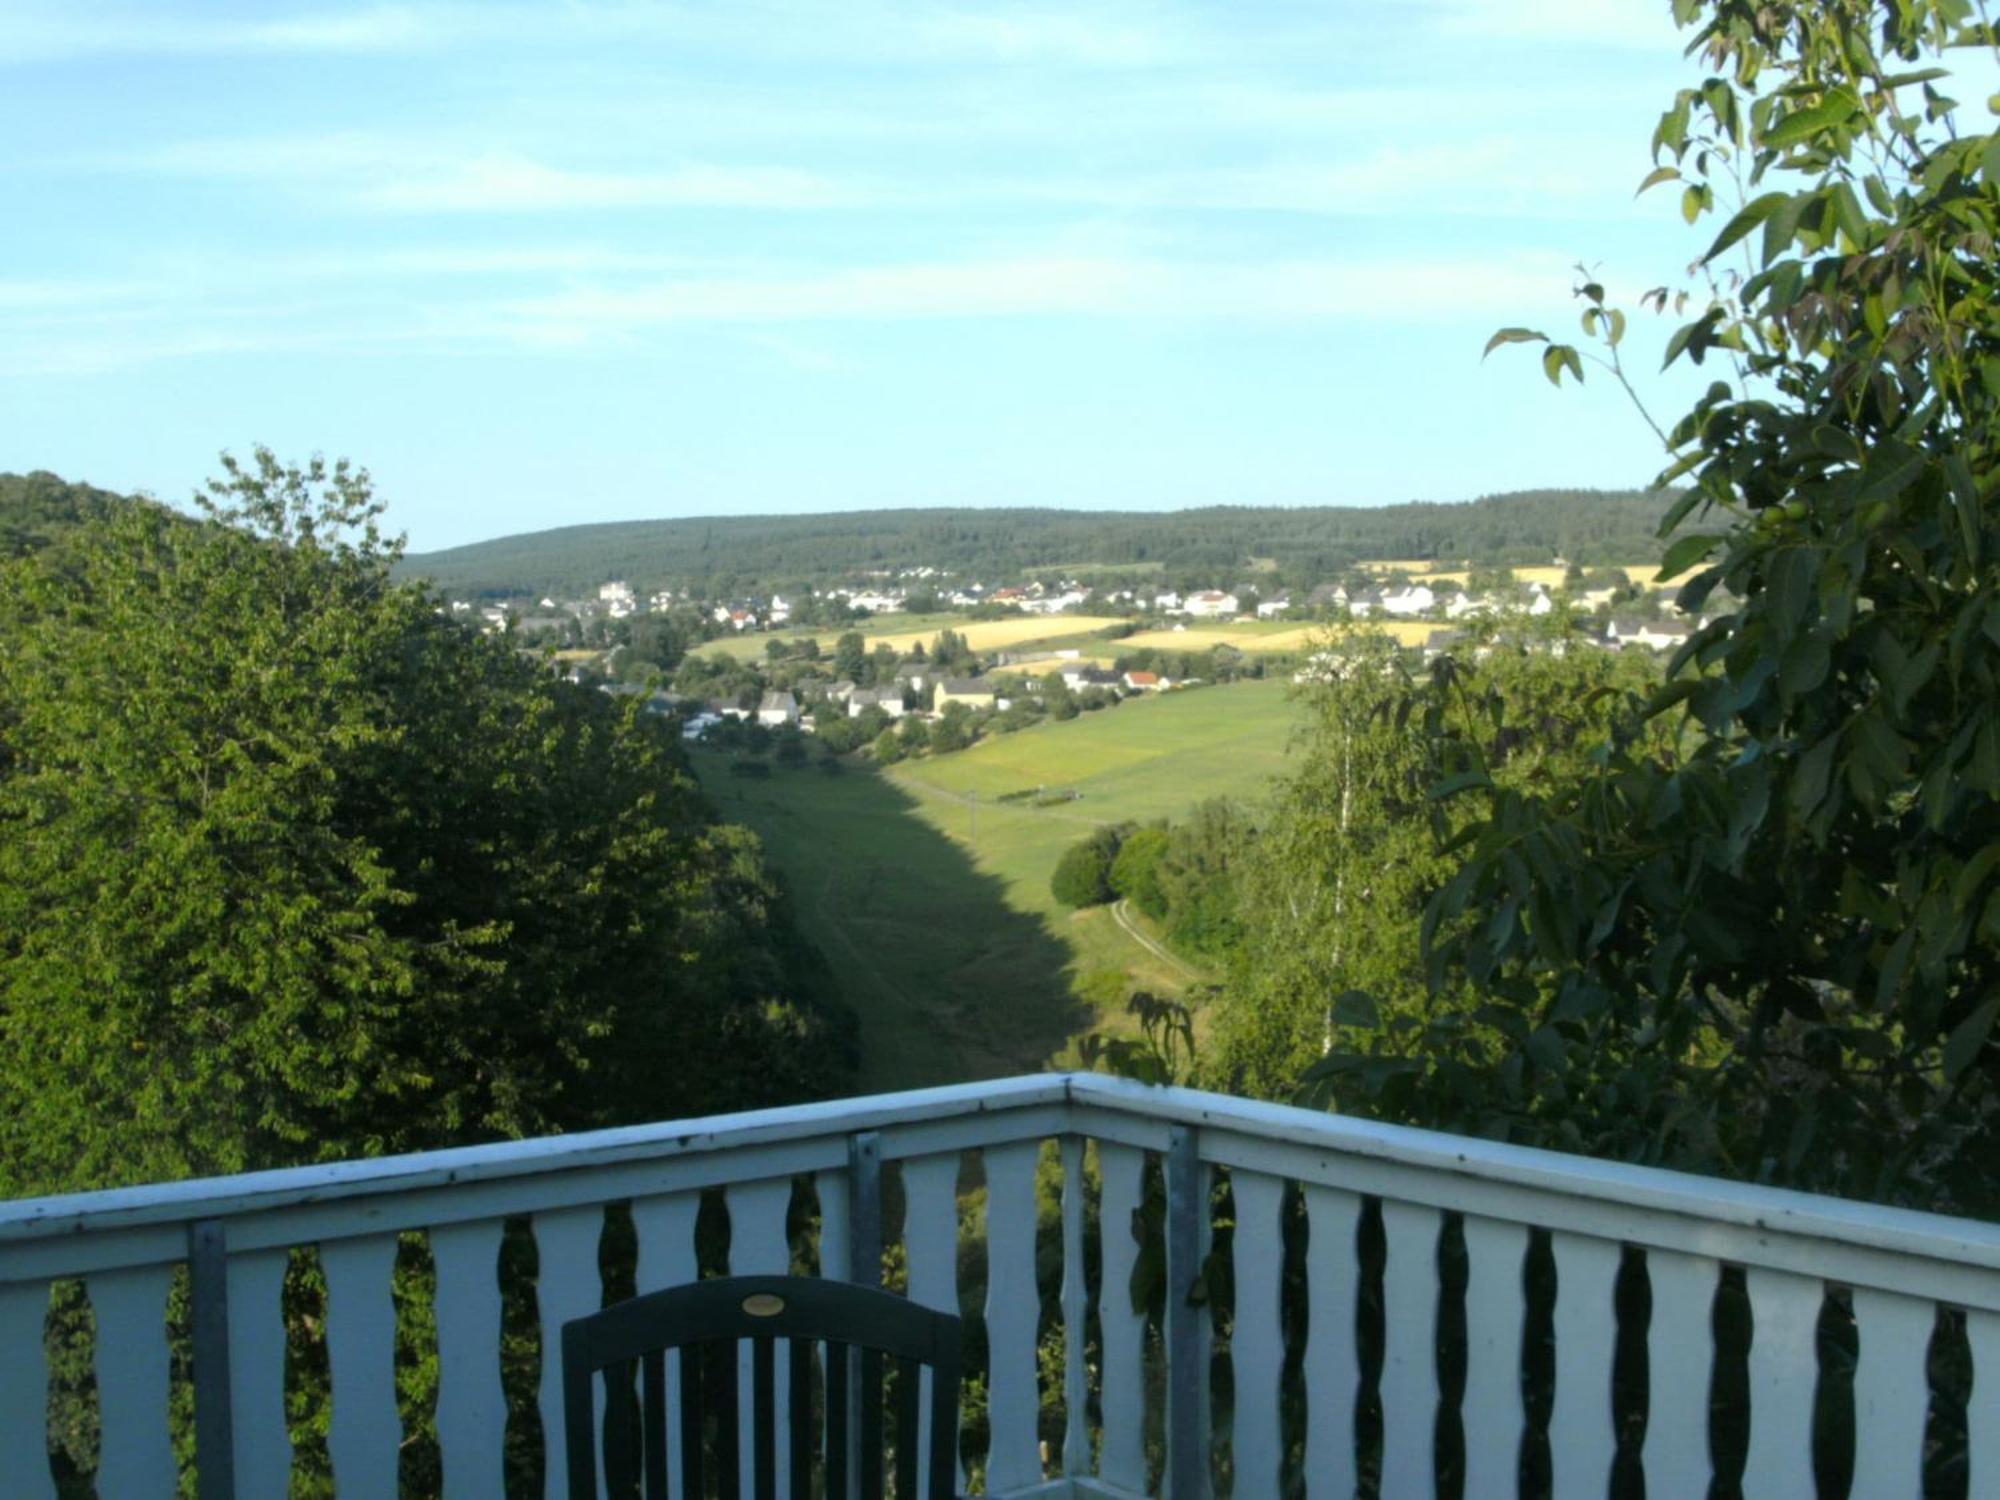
{"x": 1680, "y": 1364}
{"x": 1784, "y": 1376}
{"x": 1332, "y": 1363}
{"x": 1121, "y": 1380}
{"x": 1409, "y": 1357}
{"x": 1496, "y": 1308}
{"x": 471, "y": 1403}
{"x": 1075, "y": 1308}
{"x": 567, "y": 1286}
{"x": 1982, "y": 1413}
{"x": 136, "y": 1453}
{"x": 1256, "y": 1343}
{"x": 257, "y": 1374}
{"x": 1583, "y": 1439}
{"x": 930, "y": 1247}
{"x": 758, "y": 1246}
{"x": 24, "y": 1386}
{"x": 1013, "y": 1308}
{"x": 367, "y": 1431}
{"x": 1891, "y": 1392}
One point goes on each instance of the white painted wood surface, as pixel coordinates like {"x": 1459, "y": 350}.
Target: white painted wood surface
{"x": 567, "y": 1286}
{"x": 1491, "y": 1414}
{"x": 1256, "y": 1340}
{"x": 1784, "y": 1375}
{"x": 834, "y": 1226}
{"x": 1075, "y": 1307}
{"x": 24, "y": 1387}
{"x": 1409, "y": 1356}
{"x": 135, "y": 1455}
{"x": 664, "y": 1228}
{"x": 1891, "y": 1394}
{"x": 1982, "y": 1415}
{"x": 1013, "y": 1308}
{"x": 471, "y": 1403}
{"x": 1582, "y": 1438}
{"x": 1121, "y": 1459}
{"x": 930, "y": 1249}
{"x": 1680, "y": 1365}
{"x": 257, "y": 1375}
{"x": 758, "y": 1246}
{"x": 366, "y": 1432}
{"x": 1332, "y": 1364}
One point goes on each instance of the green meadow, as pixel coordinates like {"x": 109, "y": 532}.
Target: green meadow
{"x": 930, "y": 897}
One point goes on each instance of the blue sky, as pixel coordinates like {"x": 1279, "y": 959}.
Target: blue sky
{"x": 542, "y": 264}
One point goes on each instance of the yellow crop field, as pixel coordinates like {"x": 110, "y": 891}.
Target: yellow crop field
{"x": 980, "y": 635}
{"x": 1290, "y": 638}
{"x": 1550, "y": 577}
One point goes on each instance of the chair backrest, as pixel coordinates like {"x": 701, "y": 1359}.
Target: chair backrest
{"x": 842, "y": 1344}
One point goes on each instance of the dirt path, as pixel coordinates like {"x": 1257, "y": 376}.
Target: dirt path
{"x": 1121, "y": 914}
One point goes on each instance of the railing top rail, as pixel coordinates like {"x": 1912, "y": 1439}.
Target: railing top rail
{"x": 1728, "y": 1220}
{"x": 1760, "y": 1210}
{"x": 255, "y": 1192}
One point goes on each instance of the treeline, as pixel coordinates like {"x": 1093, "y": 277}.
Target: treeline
{"x": 725, "y": 556}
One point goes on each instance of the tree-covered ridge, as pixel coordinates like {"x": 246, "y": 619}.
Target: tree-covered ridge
{"x": 40, "y": 509}
{"x": 722, "y": 555}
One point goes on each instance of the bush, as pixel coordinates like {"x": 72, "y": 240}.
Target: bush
{"x": 1083, "y": 874}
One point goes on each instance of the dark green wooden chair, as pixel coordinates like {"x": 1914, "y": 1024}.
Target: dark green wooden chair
{"x": 847, "y": 1343}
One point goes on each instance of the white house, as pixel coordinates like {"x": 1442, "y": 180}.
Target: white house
{"x": 1539, "y": 602}
{"x": 1210, "y": 604}
{"x": 778, "y": 709}
{"x": 888, "y": 699}
{"x": 1654, "y": 635}
{"x": 1462, "y": 604}
{"x": 1270, "y": 609}
{"x": 1405, "y": 602}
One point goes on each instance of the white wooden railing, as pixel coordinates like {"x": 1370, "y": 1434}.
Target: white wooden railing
{"x": 1132, "y": 1408}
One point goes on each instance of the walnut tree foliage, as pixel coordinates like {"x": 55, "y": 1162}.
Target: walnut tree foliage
{"x": 1762, "y": 935}
{"x": 293, "y": 867}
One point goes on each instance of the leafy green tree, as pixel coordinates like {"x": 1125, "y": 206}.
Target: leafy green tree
{"x": 292, "y": 867}
{"x": 850, "y": 656}
{"x": 1057, "y": 697}
{"x": 1135, "y": 874}
{"x": 953, "y": 730}
{"x": 1780, "y": 919}
{"x": 888, "y": 749}
{"x": 1083, "y": 875}
{"x": 914, "y": 733}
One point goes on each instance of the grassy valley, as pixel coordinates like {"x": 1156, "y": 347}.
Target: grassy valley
{"x": 946, "y": 939}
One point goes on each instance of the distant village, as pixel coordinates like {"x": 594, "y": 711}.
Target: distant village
{"x": 865, "y": 692}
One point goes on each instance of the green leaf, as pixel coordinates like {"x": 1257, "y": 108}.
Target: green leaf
{"x": 1513, "y": 336}
{"x": 1657, "y": 176}
{"x": 1974, "y": 875}
{"x": 1693, "y": 200}
{"x": 1355, "y": 1008}
{"x": 1558, "y": 357}
{"x": 1836, "y": 108}
{"x": 1968, "y": 1037}
{"x": 1686, "y": 552}
{"x": 1753, "y": 213}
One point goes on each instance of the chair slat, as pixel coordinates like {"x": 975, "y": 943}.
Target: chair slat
{"x": 801, "y": 1425}
{"x": 654, "y": 1420}
{"x": 621, "y": 1441}
{"x": 841, "y": 1367}
{"x": 691, "y": 1433}
{"x": 908, "y": 1403}
{"x": 721, "y": 1377}
{"x": 764, "y": 1417}
{"x": 871, "y": 1424}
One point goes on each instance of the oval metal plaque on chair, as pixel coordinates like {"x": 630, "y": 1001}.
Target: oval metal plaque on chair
{"x": 763, "y": 1304}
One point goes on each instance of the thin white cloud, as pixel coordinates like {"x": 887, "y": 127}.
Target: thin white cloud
{"x": 517, "y": 184}
{"x": 1057, "y": 286}
{"x": 1642, "y": 25}
{"x": 69, "y": 31}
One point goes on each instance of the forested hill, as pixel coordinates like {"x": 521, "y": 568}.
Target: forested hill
{"x": 38, "y": 510}
{"x": 722, "y": 555}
